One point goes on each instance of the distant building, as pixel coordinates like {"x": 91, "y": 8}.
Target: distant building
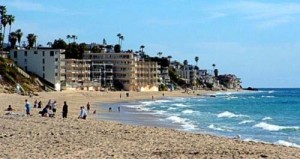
{"x": 128, "y": 69}
{"x": 188, "y": 73}
{"x": 165, "y": 78}
{"x": 102, "y": 73}
{"x": 77, "y": 72}
{"x": 46, "y": 63}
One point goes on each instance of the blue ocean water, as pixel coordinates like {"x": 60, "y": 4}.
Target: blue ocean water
{"x": 267, "y": 115}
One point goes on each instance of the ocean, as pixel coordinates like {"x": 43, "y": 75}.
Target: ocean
{"x": 267, "y": 115}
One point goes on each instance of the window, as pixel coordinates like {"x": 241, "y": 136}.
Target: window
{"x": 25, "y": 53}
{"x": 56, "y": 59}
{"x": 15, "y": 54}
{"x": 43, "y": 68}
{"x": 51, "y": 53}
{"x": 43, "y": 75}
{"x": 43, "y": 61}
{"x": 35, "y": 52}
{"x": 43, "y": 53}
{"x": 56, "y": 74}
{"x": 25, "y": 68}
{"x": 25, "y": 60}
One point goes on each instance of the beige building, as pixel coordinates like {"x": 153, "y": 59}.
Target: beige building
{"x": 77, "y": 72}
{"x": 128, "y": 70}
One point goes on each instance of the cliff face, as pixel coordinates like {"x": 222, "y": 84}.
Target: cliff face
{"x": 13, "y": 80}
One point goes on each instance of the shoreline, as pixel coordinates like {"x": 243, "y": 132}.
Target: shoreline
{"x": 91, "y": 138}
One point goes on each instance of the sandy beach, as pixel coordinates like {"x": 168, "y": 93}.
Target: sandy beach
{"x": 43, "y": 137}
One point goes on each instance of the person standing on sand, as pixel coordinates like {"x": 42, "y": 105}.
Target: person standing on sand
{"x": 88, "y": 106}
{"x": 65, "y": 110}
{"x": 83, "y": 113}
{"x": 54, "y": 108}
{"x": 27, "y": 107}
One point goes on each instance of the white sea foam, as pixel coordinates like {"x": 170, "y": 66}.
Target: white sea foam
{"x": 286, "y": 143}
{"x": 219, "y": 128}
{"x": 179, "y": 105}
{"x": 187, "y": 125}
{"x": 162, "y": 101}
{"x": 172, "y": 108}
{"x": 271, "y": 92}
{"x": 228, "y": 114}
{"x": 246, "y": 121}
{"x": 176, "y": 119}
{"x": 271, "y": 127}
{"x": 160, "y": 112}
{"x": 146, "y": 103}
{"x": 188, "y": 111}
{"x": 231, "y": 97}
{"x": 267, "y": 118}
{"x": 267, "y": 96}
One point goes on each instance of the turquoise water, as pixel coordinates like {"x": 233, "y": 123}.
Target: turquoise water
{"x": 268, "y": 115}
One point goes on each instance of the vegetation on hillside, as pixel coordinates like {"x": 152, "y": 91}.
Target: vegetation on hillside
{"x": 10, "y": 78}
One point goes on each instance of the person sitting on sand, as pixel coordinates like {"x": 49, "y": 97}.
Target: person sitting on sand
{"x": 9, "y": 110}
{"x": 44, "y": 112}
{"x": 83, "y": 113}
{"x": 35, "y": 104}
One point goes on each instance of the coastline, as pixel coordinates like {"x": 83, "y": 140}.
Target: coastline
{"x": 91, "y": 138}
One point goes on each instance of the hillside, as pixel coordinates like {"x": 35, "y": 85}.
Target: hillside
{"x": 11, "y": 79}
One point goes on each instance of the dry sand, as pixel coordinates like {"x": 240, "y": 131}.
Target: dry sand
{"x": 42, "y": 137}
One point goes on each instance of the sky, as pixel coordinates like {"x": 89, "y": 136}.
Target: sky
{"x": 259, "y": 41}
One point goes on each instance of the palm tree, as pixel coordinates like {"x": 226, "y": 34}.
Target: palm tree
{"x": 196, "y": 59}
{"x": 31, "y": 39}
{"x": 10, "y": 20}
{"x": 49, "y": 44}
{"x": 69, "y": 37}
{"x": 2, "y": 13}
{"x": 4, "y": 23}
{"x": 121, "y": 38}
{"x": 74, "y": 37}
{"x": 142, "y": 48}
{"x": 19, "y": 36}
{"x": 13, "y": 38}
{"x": 214, "y": 65}
{"x": 185, "y": 62}
{"x": 119, "y": 35}
{"x": 159, "y": 54}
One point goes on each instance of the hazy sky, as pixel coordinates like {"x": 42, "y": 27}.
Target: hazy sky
{"x": 256, "y": 40}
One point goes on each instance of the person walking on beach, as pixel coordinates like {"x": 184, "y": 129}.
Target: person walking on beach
{"x": 27, "y": 107}
{"x": 65, "y": 110}
{"x": 88, "y": 106}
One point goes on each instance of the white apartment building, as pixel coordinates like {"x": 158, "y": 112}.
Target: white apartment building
{"x": 129, "y": 70}
{"x": 46, "y": 63}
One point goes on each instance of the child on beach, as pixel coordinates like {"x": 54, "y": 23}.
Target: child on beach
{"x": 27, "y": 107}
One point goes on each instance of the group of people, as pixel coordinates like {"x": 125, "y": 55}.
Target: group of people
{"x": 50, "y": 109}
